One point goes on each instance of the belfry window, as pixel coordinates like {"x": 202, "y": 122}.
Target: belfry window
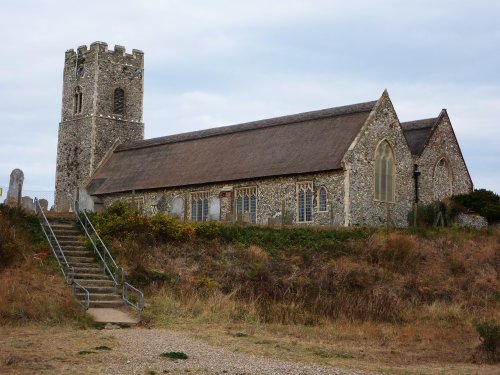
{"x": 304, "y": 202}
{"x": 199, "y": 206}
{"x": 119, "y": 101}
{"x": 384, "y": 172}
{"x": 77, "y": 100}
{"x": 322, "y": 199}
{"x": 246, "y": 202}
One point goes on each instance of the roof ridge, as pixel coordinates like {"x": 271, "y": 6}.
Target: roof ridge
{"x": 419, "y": 124}
{"x": 249, "y": 126}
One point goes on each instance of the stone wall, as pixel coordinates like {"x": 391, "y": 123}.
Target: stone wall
{"x": 276, "y": 199}
{"x": 86, "y": 137}
{"x": 438, "y": 179}
{"x": 359, "y": 162}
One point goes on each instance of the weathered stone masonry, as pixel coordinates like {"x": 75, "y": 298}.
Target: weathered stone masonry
{"x": 270, "y": 160}
{"x": 86, "y": 135}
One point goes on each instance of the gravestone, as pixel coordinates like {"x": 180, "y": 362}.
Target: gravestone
{"x": 15, "y": 186}
{"x": 44, "y": 203}
{"x": 27, "y": 203}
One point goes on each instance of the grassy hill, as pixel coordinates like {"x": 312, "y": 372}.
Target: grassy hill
{"x": 31, "y": 287}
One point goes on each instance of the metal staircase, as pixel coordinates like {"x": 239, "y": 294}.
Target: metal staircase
{"x": 97, "y": 281}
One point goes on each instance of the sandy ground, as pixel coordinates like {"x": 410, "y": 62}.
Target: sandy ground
{"x": 63, "y": 350}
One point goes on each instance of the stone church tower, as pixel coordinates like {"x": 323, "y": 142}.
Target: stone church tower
{"x": 101, "y": 106}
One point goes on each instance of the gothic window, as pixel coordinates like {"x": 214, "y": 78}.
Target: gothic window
{"x": 384, "y": 172}
{"x": 322, "y": 199}
{"x": 199, "y": 206}
{"x": 119, "y": 101}
{"x": 304, "y": 201}
{"x": 246, "y": 202}
{"x": 77, "y": 100}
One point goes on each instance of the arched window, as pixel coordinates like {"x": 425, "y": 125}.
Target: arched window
{"x": 199, "y": 206}
{"x": 304, "y": 201}
{"x": 322, "y": 199}
{"x": 384, "y": 172}
{"x": 246, "y": 202}
{"x": 119, "y": 101}
{"x": 77, "y": 100}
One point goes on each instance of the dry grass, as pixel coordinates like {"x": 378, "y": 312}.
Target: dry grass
{"x": 31, "y": 287}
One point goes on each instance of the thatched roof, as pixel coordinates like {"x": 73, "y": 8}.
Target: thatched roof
{"x": 302, "y": 143}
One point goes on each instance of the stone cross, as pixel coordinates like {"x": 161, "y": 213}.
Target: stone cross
{"x": 15, "y": 186}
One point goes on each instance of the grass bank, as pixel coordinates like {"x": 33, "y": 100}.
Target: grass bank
{"x": 31, "y": 287}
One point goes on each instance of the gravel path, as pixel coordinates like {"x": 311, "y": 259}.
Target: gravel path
{"x": 144, "y": 347}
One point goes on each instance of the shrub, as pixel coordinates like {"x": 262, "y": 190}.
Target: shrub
{"x": 483, "y": 201}
{"x": 489, "y": 334}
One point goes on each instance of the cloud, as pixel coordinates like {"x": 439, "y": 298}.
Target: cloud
{"x": 224, "y": 62}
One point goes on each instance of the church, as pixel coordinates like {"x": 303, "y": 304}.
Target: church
{"x": 343, "y": 166}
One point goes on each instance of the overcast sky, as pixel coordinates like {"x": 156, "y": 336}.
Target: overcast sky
{"x": 213, "y": 63}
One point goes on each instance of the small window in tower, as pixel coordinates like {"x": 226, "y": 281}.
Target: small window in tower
{"x": 77, "y": 100}
{"x": 119, "y": 101}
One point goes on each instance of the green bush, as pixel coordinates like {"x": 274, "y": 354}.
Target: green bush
{"x": 489, "y": 334}
{"x": 483, "y": 201}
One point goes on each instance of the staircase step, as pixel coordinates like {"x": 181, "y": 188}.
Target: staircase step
{"x": 100, "y": 289}
{"x": 67, "y": 243}
{"x": 106, "y": 303}
{"x": 75, "y": 260}
{"x": 94, "y": 283}
{"x": 77, "y": 253}
{"x": 92, "y": 276}
{"x": 90, "y": 268}
{"x": 100, "y": 296}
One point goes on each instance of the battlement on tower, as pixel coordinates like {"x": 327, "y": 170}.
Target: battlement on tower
{"x": 117, "y": 55}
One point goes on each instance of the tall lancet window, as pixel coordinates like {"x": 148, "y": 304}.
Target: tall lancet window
{"x": 119, "y": 101}
{"x": 384, "y": 172}
{"x": 77, "y": 100}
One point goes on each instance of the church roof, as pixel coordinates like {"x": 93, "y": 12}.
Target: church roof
{"x": 417, "y": 132}
{"x": 302, "y": 143}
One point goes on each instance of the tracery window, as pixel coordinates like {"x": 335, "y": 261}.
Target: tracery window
{"x": 304, "y": 201}
{"x": 384, "y": 172}
{"x": 199, "y": 206}
{"x": 77, "y": 100}
{"x": 322, "y": 199}
{"x": 119, "y": 101}
{"x": 246, "y": 202}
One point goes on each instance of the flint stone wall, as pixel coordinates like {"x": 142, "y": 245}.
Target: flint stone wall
{"x": 363, "y": 209}
{"x": 442, "y": 144}
{"x": 86, "y": 137}
{"x": 471, "y": 221}
{"x": 272, "y": 195}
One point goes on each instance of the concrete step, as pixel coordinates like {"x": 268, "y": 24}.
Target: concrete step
{"x": 69, "y": 237}
{"x": 95, "y": 270}
{"x": 100, "y": 289}
{"x": 67, "y": 243}
{"x": 100, "y": 296}
{"x": 66, "y": 231}
{"x": 91, "y": 276}
{"x": 79, "y": 248}
{"x": 94, "y": 283}
{"x": 77, "y": 253}
{"x": 77, "y": 260}
{"x": 106, "y": 304}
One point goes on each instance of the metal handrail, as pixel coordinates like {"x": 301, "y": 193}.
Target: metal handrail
{"x": 86, "y": 223}
{"x": 86, "y": 302}
{"x": 96, "y": 249}
{"x": 69, "y": 274}
{"x": 140, "y": 303}
{"x": 38, "y": 207}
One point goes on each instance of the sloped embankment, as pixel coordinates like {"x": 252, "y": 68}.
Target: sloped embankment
{"x": 305, "y": 275}
{"x": 31, "y": 287}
